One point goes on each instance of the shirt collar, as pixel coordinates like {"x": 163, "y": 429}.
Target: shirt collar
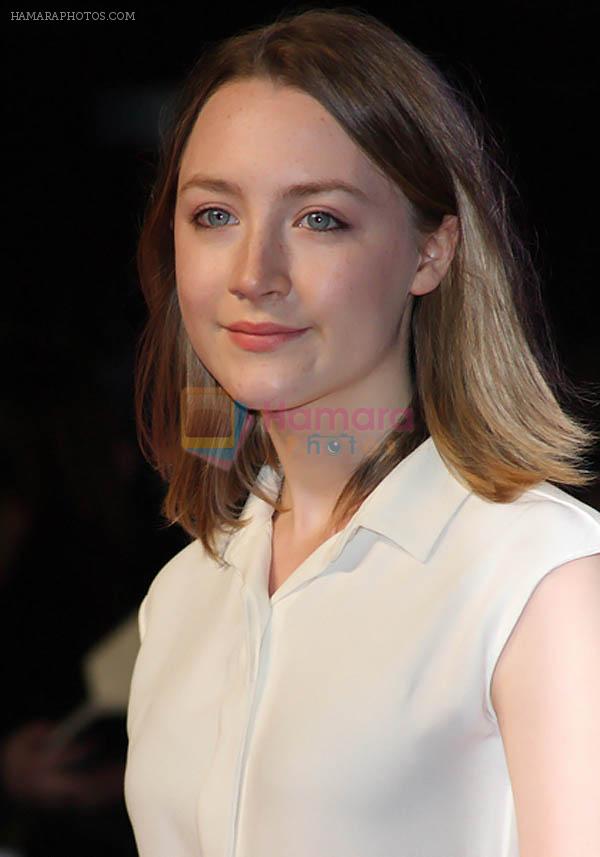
{"x": 410, "y": 506}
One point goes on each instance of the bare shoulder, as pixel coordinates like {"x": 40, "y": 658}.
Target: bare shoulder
{"x": 546, "y": 693}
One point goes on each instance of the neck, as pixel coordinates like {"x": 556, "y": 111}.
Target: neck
{"x": 318, "y": 456}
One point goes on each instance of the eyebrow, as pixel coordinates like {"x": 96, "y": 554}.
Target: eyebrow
{"x": 296, "y": 190}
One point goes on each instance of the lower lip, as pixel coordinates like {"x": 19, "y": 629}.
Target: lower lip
{"x": 263, "y": 341}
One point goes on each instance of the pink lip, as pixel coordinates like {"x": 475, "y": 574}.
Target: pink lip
{"x": 263, "y": 341}
{"x": 262, "y": 327}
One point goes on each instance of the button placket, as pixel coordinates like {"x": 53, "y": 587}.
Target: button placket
{"x": 251, "y": 706}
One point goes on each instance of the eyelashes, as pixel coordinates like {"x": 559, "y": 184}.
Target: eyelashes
{"x": 195, "y": 219}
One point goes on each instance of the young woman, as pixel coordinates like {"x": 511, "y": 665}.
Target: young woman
{"x": 362, "y": 650}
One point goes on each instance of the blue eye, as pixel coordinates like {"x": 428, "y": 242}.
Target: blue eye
{"x": 196, "y": 219}
{"x": 322, "y": 214}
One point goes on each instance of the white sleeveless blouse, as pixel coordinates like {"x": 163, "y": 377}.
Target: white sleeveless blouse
{"x": 350, "y": 714}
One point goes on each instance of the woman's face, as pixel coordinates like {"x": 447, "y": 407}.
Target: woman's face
{"x": 259, "y": 254}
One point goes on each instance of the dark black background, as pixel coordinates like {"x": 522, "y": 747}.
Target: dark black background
{"x": 82, "y": 105}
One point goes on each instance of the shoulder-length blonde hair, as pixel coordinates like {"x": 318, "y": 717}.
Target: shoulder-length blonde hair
{"x": 485, "y": 388}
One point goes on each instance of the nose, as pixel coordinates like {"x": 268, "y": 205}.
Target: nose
{"x": 262, "y": 266}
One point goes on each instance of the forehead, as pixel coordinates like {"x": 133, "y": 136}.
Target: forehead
{"x": 258, "y": 129}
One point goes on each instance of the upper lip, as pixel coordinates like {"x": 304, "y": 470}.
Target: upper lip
{"x": 262, "y": 327}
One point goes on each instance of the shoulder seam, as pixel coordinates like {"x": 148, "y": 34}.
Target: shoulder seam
{"x": 570, "y": 502}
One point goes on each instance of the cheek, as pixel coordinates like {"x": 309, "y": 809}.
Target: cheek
{"x": 368, "y": 297}
{"x": 194, "y": 303}
{"x": 193, "y": 298}
{"x": 362, "y": 292}
{"x": 195, "y": 289}
{"x": 341, "y": 287}
{"x": 387, "y": 283}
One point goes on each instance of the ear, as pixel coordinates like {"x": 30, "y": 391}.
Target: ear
{"x": 436, "y": 255}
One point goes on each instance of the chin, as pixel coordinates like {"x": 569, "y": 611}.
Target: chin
{"x": 258, "y": 402}
{"x": 263, "y": 398}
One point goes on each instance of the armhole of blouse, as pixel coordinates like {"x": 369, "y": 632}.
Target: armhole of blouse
{"x": 513, "y": 611}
